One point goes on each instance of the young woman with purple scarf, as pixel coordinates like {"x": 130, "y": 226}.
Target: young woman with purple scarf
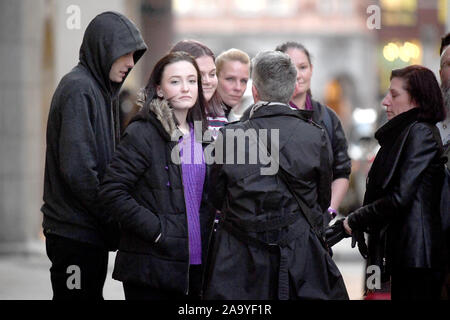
{"x": 156, "y": 187}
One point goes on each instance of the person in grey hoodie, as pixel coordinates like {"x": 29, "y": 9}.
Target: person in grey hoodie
{"x": 81, "y": 138}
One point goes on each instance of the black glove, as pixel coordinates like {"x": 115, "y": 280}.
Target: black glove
{"x": 358, "y": 237}
{"x": 335, "y": 233}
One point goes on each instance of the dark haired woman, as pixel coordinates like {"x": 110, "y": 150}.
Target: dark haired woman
{"x": 205, "y": 58}
{"x": 401, "y": 204}
{"x": 156, "y": 187}
{"x": 324, "y": 116}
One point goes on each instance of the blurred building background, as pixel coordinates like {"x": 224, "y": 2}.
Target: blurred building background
{"x": 354, "y": 45}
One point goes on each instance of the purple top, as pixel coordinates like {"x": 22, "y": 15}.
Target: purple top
{"x": 193, "y": 170}
{"x": 308, "y": 103}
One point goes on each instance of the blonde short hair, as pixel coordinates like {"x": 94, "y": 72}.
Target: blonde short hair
{"x": 231, "y": 55}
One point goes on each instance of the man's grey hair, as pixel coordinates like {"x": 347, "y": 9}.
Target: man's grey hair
{"x": 446, "y": 96}
{"x": 274, "y": 76}
{"x": 443, "y": 54}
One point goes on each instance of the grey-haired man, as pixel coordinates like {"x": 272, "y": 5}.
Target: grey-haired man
{"x": 269, "y": 242}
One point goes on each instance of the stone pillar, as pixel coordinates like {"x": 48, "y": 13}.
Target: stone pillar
{"x": 21, "y": 174}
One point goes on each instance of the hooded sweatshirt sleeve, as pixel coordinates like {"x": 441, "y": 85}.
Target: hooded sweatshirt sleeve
{"x": 78, "y": 149}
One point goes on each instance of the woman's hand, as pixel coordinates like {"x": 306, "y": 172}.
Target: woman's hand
{"x": 357, "y": 238}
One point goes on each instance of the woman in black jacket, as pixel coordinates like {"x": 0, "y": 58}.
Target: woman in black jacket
{"x": 156, "y": 187}
{"x": 325, "y": 117}
{"x": 401, "y": 204}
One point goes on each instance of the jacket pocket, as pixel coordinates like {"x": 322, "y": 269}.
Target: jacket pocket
{"x": 173, "y": 243}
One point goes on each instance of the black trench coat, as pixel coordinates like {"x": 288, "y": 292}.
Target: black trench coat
{"x": 264, "y": 248}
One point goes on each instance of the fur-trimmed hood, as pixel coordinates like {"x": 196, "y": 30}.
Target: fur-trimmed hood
{"x": 161, "y": 114}
{"x": 164, "y": 113}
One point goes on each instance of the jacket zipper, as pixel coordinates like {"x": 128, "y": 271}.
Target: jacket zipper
{"x": 208, "y": 248}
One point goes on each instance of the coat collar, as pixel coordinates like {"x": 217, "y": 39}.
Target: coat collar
{"x": 164, "y": 114}
{"x": 394, "y": 127}
{"x": 264, "y": 109}
{"x": 160, "y": 114}
{"x": 398, "y": 147}
{"x": 393, "y": 136}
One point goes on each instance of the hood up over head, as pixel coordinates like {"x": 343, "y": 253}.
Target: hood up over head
{"x": 109, "y": 36}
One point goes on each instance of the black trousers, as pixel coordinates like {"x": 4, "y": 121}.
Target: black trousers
{"x": 78, "y": 270}
{"x": 416, "y": 284}
{"x": 141, "y": 292}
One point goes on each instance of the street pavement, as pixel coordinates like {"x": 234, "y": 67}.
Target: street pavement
{"x": 26, "y": 276}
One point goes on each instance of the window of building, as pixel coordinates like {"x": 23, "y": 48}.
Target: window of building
{"x": 442, "y": 11}
{"x": 238, "y": 7}
{"x": 397, "y": 54}
{"x": 250, "y": 6}
{"x": 399, "y": 12}
{"x": 266, "y": 7}
{"x": 325, "y": 7}
{"x": 282, "y": 7}
{"x": 196, "y": 7}
{"x": 333, "y": 7}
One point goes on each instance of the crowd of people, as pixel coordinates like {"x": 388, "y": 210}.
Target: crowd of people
{"x": 188, "y": 197}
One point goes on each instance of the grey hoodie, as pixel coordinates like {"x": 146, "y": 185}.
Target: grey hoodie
{"x": 80, "y": 132}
